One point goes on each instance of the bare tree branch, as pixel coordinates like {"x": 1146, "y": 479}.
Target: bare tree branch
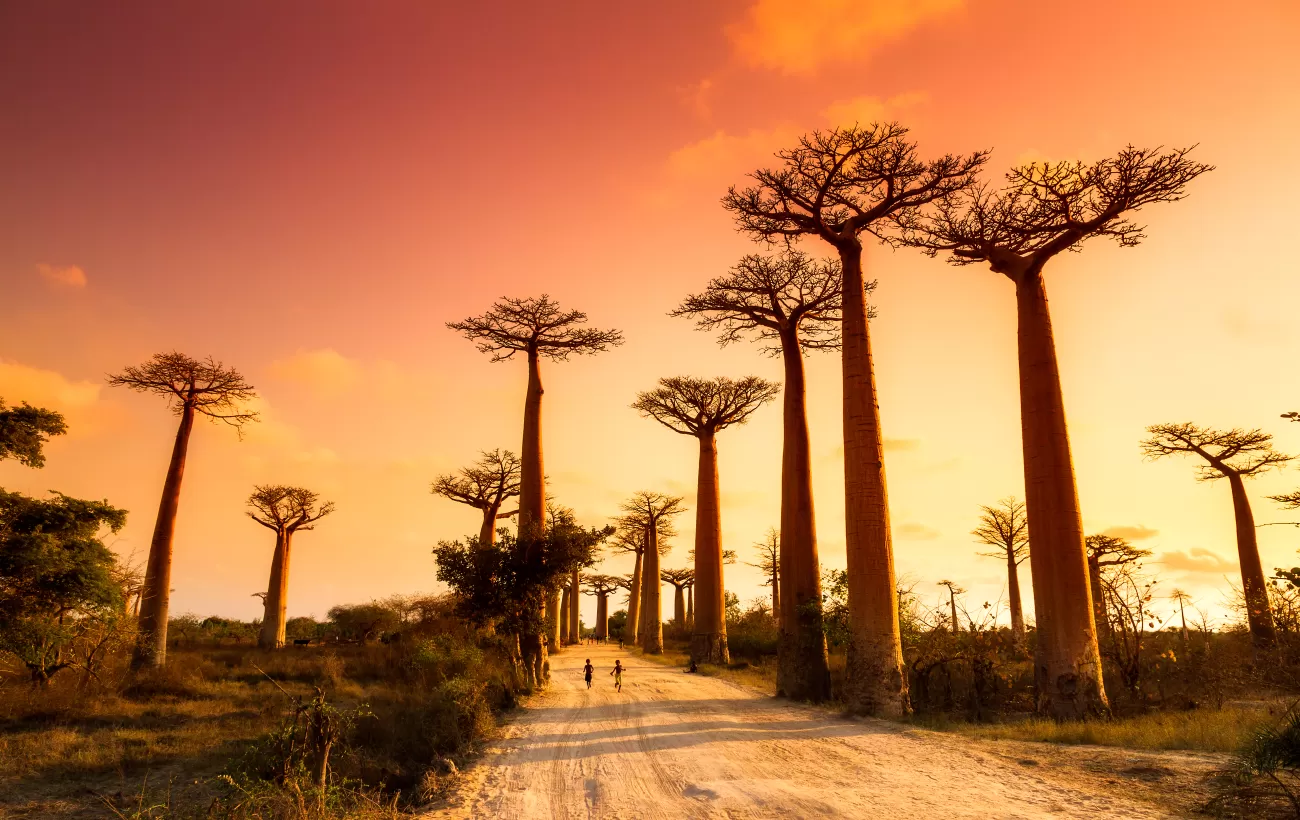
{"x": 205, "y": 385}
{"x": 536, "y": 325}
{"x": 701, "y": 407}
{"x": 1225, "y": 452}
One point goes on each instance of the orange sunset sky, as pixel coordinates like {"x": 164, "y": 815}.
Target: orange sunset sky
{"x": 310, "y": 190}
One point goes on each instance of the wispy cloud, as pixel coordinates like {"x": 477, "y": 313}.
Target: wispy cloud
{"x": 1197, "y": 560}
{"x": 801, "y": 36}
{"x": 64, "y": 276}
{"x": 913, "y": 531}
{"x": 1137, "y": 533}
{"x": 324, "y": 370}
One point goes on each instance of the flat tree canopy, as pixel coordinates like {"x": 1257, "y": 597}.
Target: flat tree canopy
{"x": 534, "y": 325}
{"x": 24, "y": 431}
{"x": 698, "y": 407}
{"x": 492, "y": 480}
{"x": 205, "y": 386}
{"x": 289, "y": 509}
{"x": 1224, "y": 452}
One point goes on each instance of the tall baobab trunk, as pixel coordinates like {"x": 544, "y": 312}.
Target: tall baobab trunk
{"x": 566, "y": 606}
{"x": 487, "y": 534}
{"x": 271, "y": 635}
{"x": 802, "y": 670}
{"x": 776, "y": 598}
{"x": 875, "y": 683}
{"x": 632, "y": 625}
{"x": 155, "y": 597}
{"x": 602, "y": 616}
{"x": 652, "y": 628}
{"x": 679, "y": 606}
{"x": 532, "y": 512}
{"x": 575, "y": 597}
{"x": 1067, "y": 664}
{"x": 1013, "y": 592}
{"x": 1259, "y": 615}
{"x": 709, "y": 635}
{"x": 690, "y": 606}
{"x": 952, "y": 601}
{"x": 1182, "y": 615}
{"x": 1100, "y": 619}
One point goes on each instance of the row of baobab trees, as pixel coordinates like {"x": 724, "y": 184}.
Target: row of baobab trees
{"x": 841, "y": 187}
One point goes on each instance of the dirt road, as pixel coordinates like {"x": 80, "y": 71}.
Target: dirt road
{"x": 675, "y": 745}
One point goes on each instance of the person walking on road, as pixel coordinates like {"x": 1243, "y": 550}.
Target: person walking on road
{"x": 587, "y": 672}
{"x": 618, "y": 676}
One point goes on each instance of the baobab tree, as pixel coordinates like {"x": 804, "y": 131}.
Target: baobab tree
{"x": 1107, "y": 553}
{"x": 1182, "y": 599}
{"x": 1007, "y": 527}
{"x": 601, "y": 586}
{"x": 192, "y": 387}
{"x": 791, "y": 304}
{"x": 769, "y": 552}
{"x": 1235, "y": 455}
{"x": 702, "y": 408}
{"x": 25, "y": 430}
{"x": 537, "y": 328}
{"x": 285, "y": 511}
{"x": 486, "y": 486}
{"x": 953, "y": 592}
{"x": 562, "y": 621}
{"x": 653, "y": 510}
{"x": 838, "y": 185}
{"x": 680, "y": 579}
{"x": 1046, "y": 209}
{"x": 631, "y": 538}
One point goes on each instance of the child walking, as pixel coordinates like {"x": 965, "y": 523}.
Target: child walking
{"x": 587, "y": 672}
{"x": 618, "y": 676}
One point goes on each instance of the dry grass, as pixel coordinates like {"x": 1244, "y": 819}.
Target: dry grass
{"x": 758, "y": 677}
{"x": 1205, "y": 730}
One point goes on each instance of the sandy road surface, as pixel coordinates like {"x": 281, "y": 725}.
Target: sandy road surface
{"x": 674, "y": 745}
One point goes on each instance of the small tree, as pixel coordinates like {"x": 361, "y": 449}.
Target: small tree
{"x": 836, "y": 186}
{"x": 652, "y": 510}
{"x": 537, "y": 328}
{"x": 791, "y": 304}
{"x": 486, "y": 486}
{"x": 192, "y": 387}
{"x": 1007, "y": 528}
{"x": 1235, "y": 455}
{"x": 57, "y": 579}
{"x": 769, "y": 555}
{"x": 953, "y": 592}
{"x": 25, "y": 430}
{"x": 702, "y": 408}
{"x": 1044, "y": 210}
{"x": 1107, "y": 555}
{"x": 285, "y": 511}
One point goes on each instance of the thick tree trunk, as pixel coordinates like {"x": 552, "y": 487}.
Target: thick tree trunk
{"x": 151, "y": 634}
{"x": 271, "y": 635}
{"x": 632, "y": 625}
{"x": 575, "y": 595}
{"x": 1259, "y": 614}
{"x": 566, "y": 606}
{"x": 709, "y": 635}
{"x": 875, "y": 681}
{"x": 802, "y": 670}
{"x": 554, "y": 621}
{"x": 1100, "y": 619}
{"x": 532, "y": 509}
{"x": 776, "y": 599}
{"x": 1067, "y": 662}
{"x": 487, "y": 534}
{"x": 1013, "y": 592}
{"x": 602, "y": 616}
{"x": 652, "y": 627}
{"x": 690, "y": 606}
{"x": 679, "y": 607}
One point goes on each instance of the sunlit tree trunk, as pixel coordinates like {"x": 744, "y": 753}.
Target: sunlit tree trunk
{"x": 151, "y": 634}
{"x": 952, "y": 601}
{"x": 1100, "y": 620}
{"x": 532, "y": 512}
{"x": 709, "y": 635}
{"x": 575, "y": 596}
{"x": 690, "y": 606}
{"x": 271, "y": 635}
{"x": 802, "y": 670}
{"x": 602, "y": 616}
{"x": 1013, "y": 592}
{"x": 487, "y": 534}
{"x": 632, "y": 625}
{"x": 652, "y": 628}
{"x": 776, "y": 598}
{"x": 875, "y": 683}
{"x": 566, "y": 606}
{"x": 1259, "y": 614}
{"x": 1067, "y": 662}
{"x": 679, "y": 607}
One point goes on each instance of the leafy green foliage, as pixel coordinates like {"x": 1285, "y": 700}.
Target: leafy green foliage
{"x": 56, "y": 576}
{"x": 24, "y": 431}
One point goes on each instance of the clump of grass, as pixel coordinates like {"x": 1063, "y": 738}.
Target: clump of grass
{"x": 1264, "y": 778}
{"x": 1205, "y": 730}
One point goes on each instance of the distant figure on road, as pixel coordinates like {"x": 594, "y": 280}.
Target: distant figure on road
{"x": 587, "y": 672}
{"x": 618, "y": 676}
